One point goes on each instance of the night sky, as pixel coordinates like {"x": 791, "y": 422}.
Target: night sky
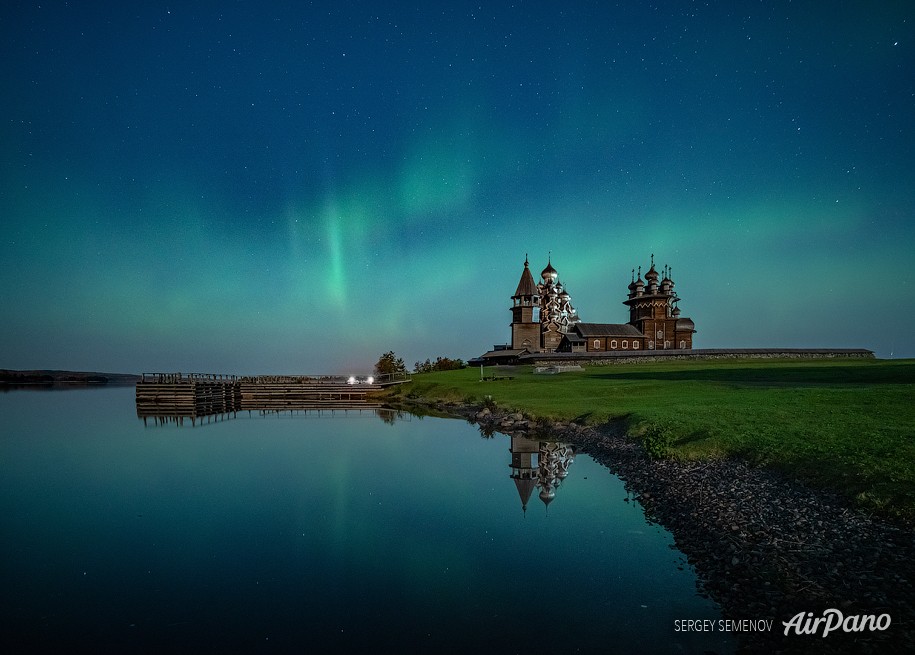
{"x": 256, "y": 187}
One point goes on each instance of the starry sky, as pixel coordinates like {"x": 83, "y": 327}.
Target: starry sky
{"x": 295, "y": 187}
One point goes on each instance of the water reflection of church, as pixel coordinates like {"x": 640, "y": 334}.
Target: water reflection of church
{"x": 539, "y": 465}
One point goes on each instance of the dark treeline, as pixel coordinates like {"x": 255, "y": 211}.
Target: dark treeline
{"x": 440, "y": 364}
{"x": 50, "y": 377}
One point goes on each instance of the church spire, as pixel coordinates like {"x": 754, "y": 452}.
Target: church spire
{"x": 526, "y": 285}
{"x": 525, "y": 328}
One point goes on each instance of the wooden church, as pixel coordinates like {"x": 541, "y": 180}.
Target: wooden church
{"x": 544, "y": 320}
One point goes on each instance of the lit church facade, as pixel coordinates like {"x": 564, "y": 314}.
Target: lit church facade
{"x": 544, "y": 320}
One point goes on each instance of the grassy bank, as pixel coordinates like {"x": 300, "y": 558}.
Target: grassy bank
{"x": 844, "y": 424}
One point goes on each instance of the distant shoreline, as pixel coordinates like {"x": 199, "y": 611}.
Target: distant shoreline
{"x": 37, "y": 377}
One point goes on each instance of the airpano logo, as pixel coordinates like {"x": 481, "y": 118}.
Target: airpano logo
{"x": 803, "y": 623}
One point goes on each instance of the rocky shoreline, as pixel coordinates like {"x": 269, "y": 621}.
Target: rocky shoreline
{"x": 763, "y": 546}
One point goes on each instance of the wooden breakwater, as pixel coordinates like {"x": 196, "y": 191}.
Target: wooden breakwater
{"x": 203, "y": 394}
{"x": 174, "y": 394}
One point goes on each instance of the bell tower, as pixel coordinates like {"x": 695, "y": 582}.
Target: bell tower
{"x": 525, "y": 325}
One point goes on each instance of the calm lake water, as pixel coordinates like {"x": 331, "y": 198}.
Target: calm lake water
{"x": 312, "y": 533}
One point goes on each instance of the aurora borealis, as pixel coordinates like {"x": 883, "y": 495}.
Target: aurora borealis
{"x": 298, "y": 187}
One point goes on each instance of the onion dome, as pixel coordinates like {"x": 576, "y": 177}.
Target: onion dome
{"x": 549, "y": 272}
{"x": 667, "y": 284}
{"x": 652, "y": 274}
{"x": 675, "y": 312}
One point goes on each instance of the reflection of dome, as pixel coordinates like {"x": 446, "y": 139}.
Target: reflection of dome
{"x": 553, "y": 467}
{"x": 547, "y": 494}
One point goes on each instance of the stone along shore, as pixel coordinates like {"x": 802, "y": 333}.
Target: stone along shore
{"x": 763, "y": 546}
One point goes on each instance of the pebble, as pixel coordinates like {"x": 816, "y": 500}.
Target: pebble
{"x": 763, "y": 546}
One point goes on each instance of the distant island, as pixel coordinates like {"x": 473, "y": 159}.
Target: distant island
{"x": 8, "y": 377}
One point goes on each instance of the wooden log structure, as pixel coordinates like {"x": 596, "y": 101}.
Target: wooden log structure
{"x": 193, "y": 395}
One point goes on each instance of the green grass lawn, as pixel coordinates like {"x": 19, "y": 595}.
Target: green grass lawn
{"x": 846, "y": 424}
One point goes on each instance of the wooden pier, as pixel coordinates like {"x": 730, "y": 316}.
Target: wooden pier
{"x": 165, "y": 395}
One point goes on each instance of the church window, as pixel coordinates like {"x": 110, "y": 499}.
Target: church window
{"x": 666, "y": 345}
{"x": 682, "y": 345}
{"x": 660, "y": 335}
{"x": 625, "y": 344}
{"x": 635, "y": 345}
{"x": 597, "y": 344}
{"x": 651, "y": 345}
{"x": 613, "y": 344}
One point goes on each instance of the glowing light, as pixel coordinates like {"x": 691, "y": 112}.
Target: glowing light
{"x": 336, "y": 274}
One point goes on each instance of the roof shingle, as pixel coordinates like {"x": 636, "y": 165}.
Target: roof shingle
{"x": 607, "y": 330}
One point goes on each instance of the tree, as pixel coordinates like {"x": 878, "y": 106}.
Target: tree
{"x": 440, "y": 364}
{"x": 389, "y": 363}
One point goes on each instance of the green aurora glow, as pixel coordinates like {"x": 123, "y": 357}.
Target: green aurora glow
{"x": 276, "y": 189}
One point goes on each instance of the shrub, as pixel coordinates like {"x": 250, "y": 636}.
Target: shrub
{"x": 658, "y": 440}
